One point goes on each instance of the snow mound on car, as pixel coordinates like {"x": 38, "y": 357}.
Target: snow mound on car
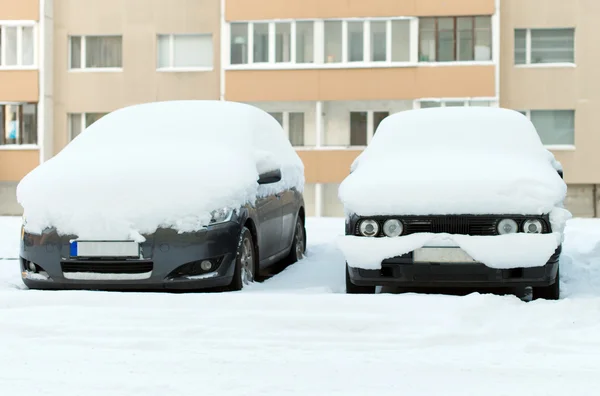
{"x": 454, "y": 161}
{"x": 163, "y": 164}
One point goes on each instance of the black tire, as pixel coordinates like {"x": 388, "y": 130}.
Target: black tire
{"x": 245, "y": 270}
{"x": 351, "y": 288}
{"x": 298, "y": 249}
{"x": 551, "y": 292}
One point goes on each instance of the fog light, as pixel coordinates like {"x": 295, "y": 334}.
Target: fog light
{"x": 206, "y": 265}
{"x": 32, "y": 267}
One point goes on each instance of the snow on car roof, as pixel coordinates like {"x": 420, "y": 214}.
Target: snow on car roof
{"x": 162, "y": 164}
{"x": 454, "y": 161}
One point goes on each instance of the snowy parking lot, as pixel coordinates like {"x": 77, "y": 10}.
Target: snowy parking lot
{"x": 297, "y": 333}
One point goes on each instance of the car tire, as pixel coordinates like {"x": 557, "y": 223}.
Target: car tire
{"x": 551, "y": 292}
{"x": 351, "y": 288}
{"x": 298, "y": 249}
{"x": 245, "y": 262}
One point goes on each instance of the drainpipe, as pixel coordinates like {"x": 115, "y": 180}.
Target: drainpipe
{"x": 595, "y": 195}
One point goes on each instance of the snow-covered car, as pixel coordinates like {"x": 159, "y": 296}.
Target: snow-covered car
{"x": 457, "y": 197}
{"x": 168, "y": 195}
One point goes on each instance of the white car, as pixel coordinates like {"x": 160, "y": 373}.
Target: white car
{"x": 455, "y": 197}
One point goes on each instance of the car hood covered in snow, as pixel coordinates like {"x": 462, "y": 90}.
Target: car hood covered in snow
{"x": 454, "y": 161}
{"x": 166, "y": 164}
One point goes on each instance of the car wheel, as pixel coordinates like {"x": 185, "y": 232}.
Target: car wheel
{"x": 298, "y": 248}
{"x": 551, "y": 292}
{"x": 245, "y": 262}
{"x": 351, "y": 288}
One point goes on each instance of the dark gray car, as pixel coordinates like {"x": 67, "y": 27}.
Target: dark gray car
{"x": 230, "y": 249}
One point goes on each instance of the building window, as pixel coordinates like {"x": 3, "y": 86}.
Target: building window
{"x": 18, "y": 46}
{"x": 400, "y": 40}
{"x": 378, "y": 41}
{"x": 358, "y": 128}
{"x": 555, "y": 127}
{"x": 379, "y": 116}
{"x": 79, "y": 121}
{"x": 333, "y": 41}
{"x": 356, "y": 41}
{"x": 305, "y": 38}
{"x": 293, "y": 124}
{"x": 239, "y": 43}
{"x": 539, "y": 46}
{"x": 261, "y": 42}
{"x": 184, "y": 51}
{"x": 429, "y": 103}
{"x": 18, "y": 123}
{"x": 296, "y": 129}
{"x": 340, "y": 41}
{"x": 450, "y": 39}
{"x": 283, "y": 42}
{"x": 96, "y": 52}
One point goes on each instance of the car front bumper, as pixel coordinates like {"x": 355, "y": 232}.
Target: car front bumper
{"x": 402, "y": 272}
{"x": 164, "y": 260}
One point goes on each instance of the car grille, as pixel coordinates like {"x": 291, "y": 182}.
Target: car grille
{"x": 99, "y": 267}
{"x": 452, "y": 225}
{"x": 476, "y": 225}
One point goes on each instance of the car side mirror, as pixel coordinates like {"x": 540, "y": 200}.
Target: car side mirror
{"x": 270, "y": 177}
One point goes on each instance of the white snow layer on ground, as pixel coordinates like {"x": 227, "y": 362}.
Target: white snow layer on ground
{"x": 175, "y": 163}
{"x": 295, "y": 334}
{"x": 485, "y": 161}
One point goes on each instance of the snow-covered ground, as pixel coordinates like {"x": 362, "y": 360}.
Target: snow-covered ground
{"x": 298, "y": 334}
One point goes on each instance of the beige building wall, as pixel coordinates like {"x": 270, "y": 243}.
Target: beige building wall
{"x": 139, "y": 22}
{"x": 559, "y": 87}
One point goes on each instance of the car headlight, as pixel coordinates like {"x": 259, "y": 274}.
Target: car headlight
{"x": 507, "y": 226}
{"x": 392, "y": 228}
{"x": 369, "y": 228}
{"x": 221, "y": 215}
{"x": 533, "y": 226}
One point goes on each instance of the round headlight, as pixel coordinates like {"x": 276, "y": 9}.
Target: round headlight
{"x": 532, "y": 226}
{"x": 507, "y": 226}
{"x": 392, "y": 228}
{"x": 369, "y": 228}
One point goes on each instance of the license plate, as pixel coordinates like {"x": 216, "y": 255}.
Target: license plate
{"x": 441, "y": 255}
{"x": 105, "y": 249}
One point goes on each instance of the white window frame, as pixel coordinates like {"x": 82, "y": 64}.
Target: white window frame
{"x": 23, "y": 146}
{"x": 83, "y": 67}
{"x": 70, "y": 131}
{"x": 443, "y": 101}
{"x": 285, "y": 116}
{"x": 175, "y": 69}
{"x": 19, "y": 25}
{"x": 553, "y": 147}
{"x": 319, "y": 44}
{"x": 528, "y": 63}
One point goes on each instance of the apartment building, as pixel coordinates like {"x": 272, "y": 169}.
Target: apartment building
{"x": 328, "y": 71}
{"x": 548, "y": 71}
{"x": 22, "y": 94}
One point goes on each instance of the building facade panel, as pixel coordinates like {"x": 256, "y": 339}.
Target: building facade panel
{"x": 239, "y": 10}
{"x": 360, "y": 84}
{"x": 19, "y": 86}
{"x": 20, "y": 10}
{"x": 15, "y": 164}
{"x": 327, "y": 166}
{"x": 165, "y": 50}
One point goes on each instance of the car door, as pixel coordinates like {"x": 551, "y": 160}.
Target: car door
{"x": 289, "y": 209}
{"x": 269, "y": 213}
